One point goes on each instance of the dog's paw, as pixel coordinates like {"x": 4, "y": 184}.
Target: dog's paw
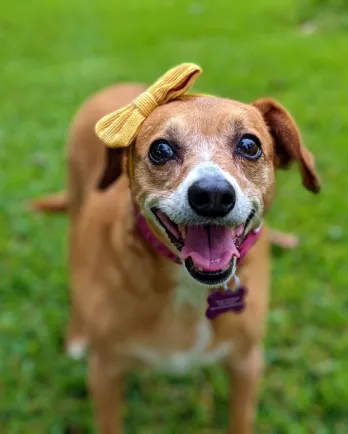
{"x": 76, "y": 348}
{"x": 284, "y": 240}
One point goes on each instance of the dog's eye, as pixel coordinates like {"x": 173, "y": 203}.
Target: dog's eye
{"x": 250, "y": 147}
{"x": 161, "y": 152}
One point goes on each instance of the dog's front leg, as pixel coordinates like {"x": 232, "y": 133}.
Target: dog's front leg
{"x": 245, "y": 375}
{"x": 106, "y": 389}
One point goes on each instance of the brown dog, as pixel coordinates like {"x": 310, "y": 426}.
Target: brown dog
{"x": 204, "y": 170}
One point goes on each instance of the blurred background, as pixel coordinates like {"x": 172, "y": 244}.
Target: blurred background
{"x": 53, "y": 54}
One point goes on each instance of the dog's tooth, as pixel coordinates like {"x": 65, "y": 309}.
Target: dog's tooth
{"x": 239, "y": 230}
{"x": 182, "y": 230}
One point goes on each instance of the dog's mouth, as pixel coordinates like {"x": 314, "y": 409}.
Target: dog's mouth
{"x": 208, "y": 251}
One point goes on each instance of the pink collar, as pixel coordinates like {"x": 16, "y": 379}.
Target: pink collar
{"x": 149, "y": 236}
{"x": 163, "y": 250}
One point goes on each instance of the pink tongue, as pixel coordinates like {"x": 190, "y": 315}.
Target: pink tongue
{"x": 210, "y": 247}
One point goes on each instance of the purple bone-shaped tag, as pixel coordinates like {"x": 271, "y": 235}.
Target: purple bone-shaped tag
{"x": 220, "y": 302}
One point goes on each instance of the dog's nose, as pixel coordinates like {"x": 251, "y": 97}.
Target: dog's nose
{"x": 213, "y": 196}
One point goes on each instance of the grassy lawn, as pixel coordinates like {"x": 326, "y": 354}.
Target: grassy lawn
{"x": 53, "y": 54}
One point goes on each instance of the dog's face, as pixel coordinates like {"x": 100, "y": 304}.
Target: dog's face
{"x": 204, "y": 173}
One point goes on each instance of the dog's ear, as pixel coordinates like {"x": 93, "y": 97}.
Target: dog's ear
{"x": 287, "y": 141}
{"x": 117, "y": 161}
{"x": 112, "y": 167}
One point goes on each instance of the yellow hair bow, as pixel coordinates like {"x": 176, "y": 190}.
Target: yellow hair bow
{"x": 119, "y": 129}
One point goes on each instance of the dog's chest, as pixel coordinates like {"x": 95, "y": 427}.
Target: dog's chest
{"x": 180, "y": 344}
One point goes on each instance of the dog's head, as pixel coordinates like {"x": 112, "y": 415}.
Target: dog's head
{"x": 203, "y": 170}
{"x": 204, "y": 174}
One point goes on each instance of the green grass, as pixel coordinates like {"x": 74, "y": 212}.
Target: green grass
{"x": 53, "y": 54}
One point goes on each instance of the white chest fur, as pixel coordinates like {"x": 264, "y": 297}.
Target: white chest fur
{"x": 201, "y": 352}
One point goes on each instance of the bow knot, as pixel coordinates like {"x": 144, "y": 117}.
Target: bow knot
{"x": 120, "y": 128}
{"x": 146, "y": 103}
